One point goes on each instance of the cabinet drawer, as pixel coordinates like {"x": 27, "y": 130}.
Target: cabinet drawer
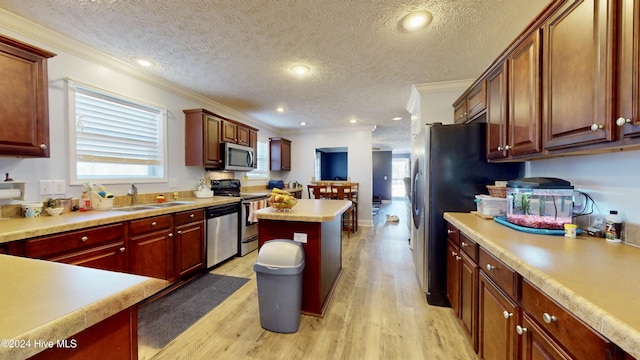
{"x": 73, "y": 240}
{"x": 577, "y": 337}
{"x": 453, "y": 234}
{"x": 469, "y": 247}
{"x": 186, "y": 217}
{"x": 156, "y": 223}
{"x": 499, "y": 272}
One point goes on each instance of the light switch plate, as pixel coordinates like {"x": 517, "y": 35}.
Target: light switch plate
{"x": 46, "y": 187}
{"x": 59, "y": 187}
{"x": 173, "y": 182}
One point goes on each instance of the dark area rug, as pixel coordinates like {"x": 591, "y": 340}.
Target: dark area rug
{"x": 164, "y": 319}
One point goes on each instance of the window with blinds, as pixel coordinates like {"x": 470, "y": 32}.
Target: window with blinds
{"x": 262, "y": 170}
{"x": 115, "y": 139}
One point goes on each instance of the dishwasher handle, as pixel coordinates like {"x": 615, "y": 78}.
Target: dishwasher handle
{"x": 222, "y": 210}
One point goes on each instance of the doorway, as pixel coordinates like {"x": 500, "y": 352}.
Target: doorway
{"x": 400, "y": 168}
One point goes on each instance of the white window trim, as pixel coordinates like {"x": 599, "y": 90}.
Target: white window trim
{"x": 71, "y": 127}
{"x": 261, "y": 174}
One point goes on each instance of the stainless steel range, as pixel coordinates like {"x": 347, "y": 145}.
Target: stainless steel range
{"x": 247, "y": 222}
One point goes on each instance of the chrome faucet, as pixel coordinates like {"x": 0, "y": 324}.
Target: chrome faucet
{"x": 133, "y": 192}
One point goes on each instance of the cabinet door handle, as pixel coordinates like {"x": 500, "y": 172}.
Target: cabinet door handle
{"x": 549, "y": 318}
{"x": 490, "y": 267}
{"x": 520, "y": 330}
{"x": 170, "y": 235}
{"x": 192, "y": 216}
{"x": 507, "y": 314}
{"x": 154, "y": 223}
{"x": 179, "y": 232}
{"x": 43, "y": 146}
{"x": 507, "y": 147}
{"x": 596, "y": 127}
{"x": 500, "y": 148}
{"x": 464, "y": 244}
{"x": 122, "y": 249}
{"x": 450, "y": 232}
{"x": 458, "y": 258}
{"x": 84, "y": 238}
{"x": 453, "y": 253}
{"x": 621, "y": 121}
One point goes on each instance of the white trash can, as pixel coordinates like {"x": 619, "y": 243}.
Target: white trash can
{"x": 279, "y": 277}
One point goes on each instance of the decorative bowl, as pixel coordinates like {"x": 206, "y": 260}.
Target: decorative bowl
{"x": 203, "y": 193}
{"x": 54, "y": 211}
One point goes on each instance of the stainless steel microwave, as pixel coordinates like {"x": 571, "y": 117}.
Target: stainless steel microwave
{"x": 238, "y": 157}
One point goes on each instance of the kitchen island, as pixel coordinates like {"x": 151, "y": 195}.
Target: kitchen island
{"x": 319, "y": 223}
{"x": 51, "y": 310}
{"x": 594, "y": 279}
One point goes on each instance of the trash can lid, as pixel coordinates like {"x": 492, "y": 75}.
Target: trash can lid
{"x": 281, "y": 253}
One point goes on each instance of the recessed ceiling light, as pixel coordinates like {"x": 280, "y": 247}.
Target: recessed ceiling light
{"x": 353, "y": 121}
{"x": 416, "y": 20}
{"x": 144, "y": 62}
{"x": 280, "y": 109}
{"x": 303, "y": 123}
{"x": 396, "y": 118}
{"x": 300, "y": 69}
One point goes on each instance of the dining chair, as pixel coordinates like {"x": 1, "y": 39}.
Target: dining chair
{"x": 315, "y": 191}
{"x": 343, "y": 192}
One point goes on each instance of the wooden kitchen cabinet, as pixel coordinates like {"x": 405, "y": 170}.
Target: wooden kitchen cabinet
{"x": 578, "y": 74}
{"x": 235, "y": 133}
{"x": 628, "y": 75}
{"x": 471, "y": 104}
{"x": 24, "y": 113}
{"x": 202, "y": 139}
{"x": 513, "y": 98}
{"x": 102, "y": 247}
{"x": 559, "y": 328}
{"x": 190, "y": 242}
{"x": 280, "y": 154}
{"x": 498, "y": 310}
{"x": 462, "y": 281}
{"x": 151, "y": 245}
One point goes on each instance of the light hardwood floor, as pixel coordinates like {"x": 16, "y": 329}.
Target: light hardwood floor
{"x": 377, "y": 311}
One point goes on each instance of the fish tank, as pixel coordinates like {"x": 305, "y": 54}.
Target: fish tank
{"x": 540, "y": 202}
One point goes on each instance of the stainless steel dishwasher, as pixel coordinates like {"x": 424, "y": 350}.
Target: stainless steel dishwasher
{"x": 222, "y": 233}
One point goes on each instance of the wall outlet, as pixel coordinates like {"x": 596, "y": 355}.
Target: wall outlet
{"x": 59, "y": 187}
{"x": 46, "y": 187}
{"x": 173, "y": 182}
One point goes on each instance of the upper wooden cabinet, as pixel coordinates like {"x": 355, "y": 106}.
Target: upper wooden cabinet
{"x": 497, "y": 113}
{"x": 628, "y": 76}
{"x": 280, "y": 154}
{"x": 471, "y": 104}
{"x": 235, "y": 133}
{"x": 24, "y": 109}
{"x": 578, "y": 74}
{"x": 202, "y": 139}
{"x": 205, "y": 131}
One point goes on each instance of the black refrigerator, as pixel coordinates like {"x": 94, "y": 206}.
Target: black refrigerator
{"x": 449, "y": 167}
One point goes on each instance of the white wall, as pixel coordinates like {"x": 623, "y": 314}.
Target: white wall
{"x": 612, "y": 179}
{"x": 89, "y": 66}
{"x": 358, "y": 140}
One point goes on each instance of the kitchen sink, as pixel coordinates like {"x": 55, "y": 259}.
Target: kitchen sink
{"x": 172, "y": 203}
{"x": 152, "y": 206}
{"x": 134, "y": 208}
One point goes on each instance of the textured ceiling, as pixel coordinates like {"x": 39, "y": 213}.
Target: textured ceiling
{"x": 239, "y": 53}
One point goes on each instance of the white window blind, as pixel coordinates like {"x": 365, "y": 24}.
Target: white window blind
{"x": 115, "y": 138}
{"x": 262, "y": 171}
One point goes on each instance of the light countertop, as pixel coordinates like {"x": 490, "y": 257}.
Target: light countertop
{"x": 24, "y": 228}
{"x": 307, "y": 210}
{"x": 43, "y": 300}
{"x": 594, "y": 279}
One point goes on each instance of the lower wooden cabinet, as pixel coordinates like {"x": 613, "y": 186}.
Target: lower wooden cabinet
{"x": 497, "y": 319}
{"x": 190, "y": 242}
{"x": 151, "y": 246}
{"x": 101, "y": 247}
{"x": 536, "y": 344}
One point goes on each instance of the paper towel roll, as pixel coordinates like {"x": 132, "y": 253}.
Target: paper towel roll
{"x": 10, "y": 193}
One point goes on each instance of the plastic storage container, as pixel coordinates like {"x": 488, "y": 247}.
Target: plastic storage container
{"x": 491, "y": 206}
{"x": 540, "y": 202}
{"x": 279, "y": 277}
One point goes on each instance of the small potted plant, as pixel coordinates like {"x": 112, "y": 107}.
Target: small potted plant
{"x": 53, "y": 208}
